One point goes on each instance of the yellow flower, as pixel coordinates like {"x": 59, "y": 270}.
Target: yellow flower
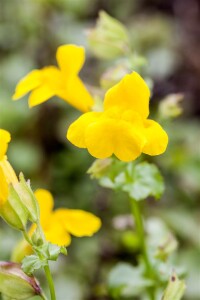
{"x": 7, "y": 174}
{"x": 63, "y": 82}
{"x": 122, "y": 128}
{"x": 60, "y": 223}
{"x": 4, "y": 140}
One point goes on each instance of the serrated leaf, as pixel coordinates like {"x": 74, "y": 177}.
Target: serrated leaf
{"x": 147, "y": 181}
{"x": 50, "y": 251}
{"x": 54, "y": 251}
{"x": 175, "y": 289}
{"x": 32, "y": 263}
{"x": 139, "y": 181}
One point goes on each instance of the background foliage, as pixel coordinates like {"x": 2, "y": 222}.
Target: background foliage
{"x": 166, "y": 33}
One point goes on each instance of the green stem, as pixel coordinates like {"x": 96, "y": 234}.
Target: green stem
{"x": 27, "y": 238}
{"x": 46, "y": 268}
{"x": 50, "y": 282}
{"x": 140, "y": 230}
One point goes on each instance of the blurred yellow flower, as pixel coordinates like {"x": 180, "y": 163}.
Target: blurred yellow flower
{"x": 4, "y": 140}
{"x": 7, "y": 174}
{"x": 60, "y": 223}
{"x": 63, "y": 82}
{"x": 122, "y": 128}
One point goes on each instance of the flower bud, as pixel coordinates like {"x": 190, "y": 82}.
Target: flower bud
{"x": 20, "y": 205}
{"x": 15, "y": 284}
{"x": 168, "y": 246}
{"x": 170, "y": 106}
{"x": 175, "y": 288}
{"x": 109, "y": 39}
{"x": 113, "y": 75}
{"x": 99, "y": 166}
{"x": 27, "y": 197}
{"x": 13, "y": 211}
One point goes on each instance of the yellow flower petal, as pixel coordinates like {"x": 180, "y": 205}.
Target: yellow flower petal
{"x": 157, "y": 138}
{"x": 70, "y": 59}
{"x": 40, "y": 95}
{"x": 46, "y": 204}
{"x": 100, "y": 137}
{"x": 22, "y": 249}
{"x": 77, "y": 95}
{"x": 8, "y": 171}
{"x": 4, "y": 140}
{"x": 3, "y": 188}
{"x": 56, "y": 233}
{"x": 130, "y": 93}
{"x": 76, "y": 131}
{"x": 27, "y": 84}
{"x": 129, "y": 144}
{"x": 50, "y": 85}
{"x": 112, "y": 136}
{"x": 78, "y": 222}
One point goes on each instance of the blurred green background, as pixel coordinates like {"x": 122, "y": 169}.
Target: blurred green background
{"x": 167, "y": 34}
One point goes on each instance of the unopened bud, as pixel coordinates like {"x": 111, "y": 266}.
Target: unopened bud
{"x": 169, "y": 245}
{"x": 15, "y": 284}
{"x": 175, "y": 288}
{"x": 13, "y": 211}
{"x": 113, "y": 75}
{"x": 27, "y": 197}
{"x": 109, "y": 39}
{"x": 170, "y": 106}
{"x": 99, "y": 167}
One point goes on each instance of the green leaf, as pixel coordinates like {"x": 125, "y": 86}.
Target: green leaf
{"x": 175, "y": 289}
{"x": 32, "y": 263}
{"x": 54, "y": 251}
{"x": 139, "y": 181}
{"x": 146, "y": 181}
{"x": 49, "y": 251}
{"x": 125, "y": 280}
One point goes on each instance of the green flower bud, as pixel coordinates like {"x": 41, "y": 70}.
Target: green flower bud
{"x": 20, "y": 206}
{"x": 109, "y": 39}
{"x": 27, "y": 197}
{"x": 98, "y": 167}
{"x": 170, "y": 106}
{"x": 13, "y": 211}
{"x": 175, "y": 289}
{"x": 15, "y": 284}
{"x": 113, "y": 75}
{"x": 169, "y": 245}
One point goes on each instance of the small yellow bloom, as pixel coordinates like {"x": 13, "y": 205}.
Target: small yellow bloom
{"x": 63, "y": 82}
{"x": 7, "y": 174}
{"x": 60, "y": 223}
{"x": 4, "y": 140}
{"x": 122, "y": 128}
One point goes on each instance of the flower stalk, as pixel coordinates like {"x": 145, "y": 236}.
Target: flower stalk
{"x": 46, "y": 267}
{"x": 50, "y": 282}
{"x": 136, "y": 213}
